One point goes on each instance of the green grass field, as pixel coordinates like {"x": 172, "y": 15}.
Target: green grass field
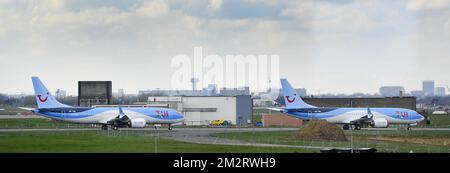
{"x": 115, "y": 142}
{"x": 38, "y": 123}
{"x": 10, "y": 111}
{"x": 100, "y": 141}
{"x": 439, "y": 121}
{"x": 361, "y": 139}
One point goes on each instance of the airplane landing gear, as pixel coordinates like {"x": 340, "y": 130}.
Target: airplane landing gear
{"x": 353, "y": 127}
{"x": 115, "y": 126}
{"x": 104, "y": 127}
{"x": 346, "y": 127}
{"x": 170, "y": 127}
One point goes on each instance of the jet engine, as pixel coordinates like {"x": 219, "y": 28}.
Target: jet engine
{"x": 137, "y": 123}
{"x": 380, "y": 123}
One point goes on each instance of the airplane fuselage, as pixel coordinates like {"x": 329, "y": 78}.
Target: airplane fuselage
{"x": 345, "y": 115}
{"x": 104, "y": 114}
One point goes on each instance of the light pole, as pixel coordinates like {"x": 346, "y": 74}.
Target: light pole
{"x": 351, "y": 143}
{"x": 156, "y": 139}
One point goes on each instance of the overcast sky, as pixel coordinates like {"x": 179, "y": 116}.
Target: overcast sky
{"x": 339, "y": 46}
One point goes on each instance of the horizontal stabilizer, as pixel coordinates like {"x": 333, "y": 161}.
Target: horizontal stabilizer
{"x": 276, "y": 109}
{"x": 27, "y": 109}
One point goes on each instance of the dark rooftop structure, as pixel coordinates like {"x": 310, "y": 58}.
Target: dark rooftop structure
{"x": 395, "y": 102}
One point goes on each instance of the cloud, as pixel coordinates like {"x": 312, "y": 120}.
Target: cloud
{"x": 153, "y": 8}
{"x": 56, "y": 4}
{"x": 139, "y": 37}
{"x": 215, "y": 5}
{"x": 428, "y": 4}
{"x": 329, "y": 18}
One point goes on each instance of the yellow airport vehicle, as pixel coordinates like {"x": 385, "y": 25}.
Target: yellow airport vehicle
{"x": 217, "y": 122}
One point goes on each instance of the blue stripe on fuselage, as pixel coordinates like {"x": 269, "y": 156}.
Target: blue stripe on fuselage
{"x": 76, "y": 112}
{"x": 321, "y": 113}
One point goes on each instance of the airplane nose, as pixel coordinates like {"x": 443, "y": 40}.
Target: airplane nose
{"x": 421, "y": 117}
{"x": 180, "y": 115}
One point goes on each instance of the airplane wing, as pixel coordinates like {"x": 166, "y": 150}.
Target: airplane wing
{"x": 351, "y": 120}
{"x": 107, "y": 120}
{"x": 119, "y": 119}
{"x": 364, "y": 119}
{"x": 27, "y": 109}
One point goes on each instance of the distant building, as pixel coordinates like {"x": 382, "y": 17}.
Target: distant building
{"x": 16, "y": 96}
{"x": 60, "y": 94}
{"x": 94, "y": 93}
{"x": 302, "y": 92}
{"x": 417, "y": 93}
{"x": 234, "y": 91}
{"x": 392, "y": 91}
{"x": 428, "y": 88}
{"x": 158, "y": 92}
{"x": 439, "y": 91}
{"x": 120, "y": 93}
{"x": 210, "y": 91}
{"x": 394, "y": 102}
{"x": 281, "y": 120}
{"x": 264, "y": 103}
{"x": 194, "y": 82}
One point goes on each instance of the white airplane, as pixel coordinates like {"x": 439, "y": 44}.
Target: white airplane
{"x": 355, "y": 117}
{"x": 134, "y": 117}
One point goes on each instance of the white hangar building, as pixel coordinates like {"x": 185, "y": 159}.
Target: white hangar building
{"x": 201, "y": 110}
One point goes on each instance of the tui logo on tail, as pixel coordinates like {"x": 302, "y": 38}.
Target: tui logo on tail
{"x": 289, "y": 99}
{"x": 41, "y": 99}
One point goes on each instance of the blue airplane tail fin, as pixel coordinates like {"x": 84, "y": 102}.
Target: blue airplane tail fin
{"x": 369, "y": 113}
{"x": 43, "y": 97}
{"x": 291, "y": 98}
{"x": 121, "y": 114}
